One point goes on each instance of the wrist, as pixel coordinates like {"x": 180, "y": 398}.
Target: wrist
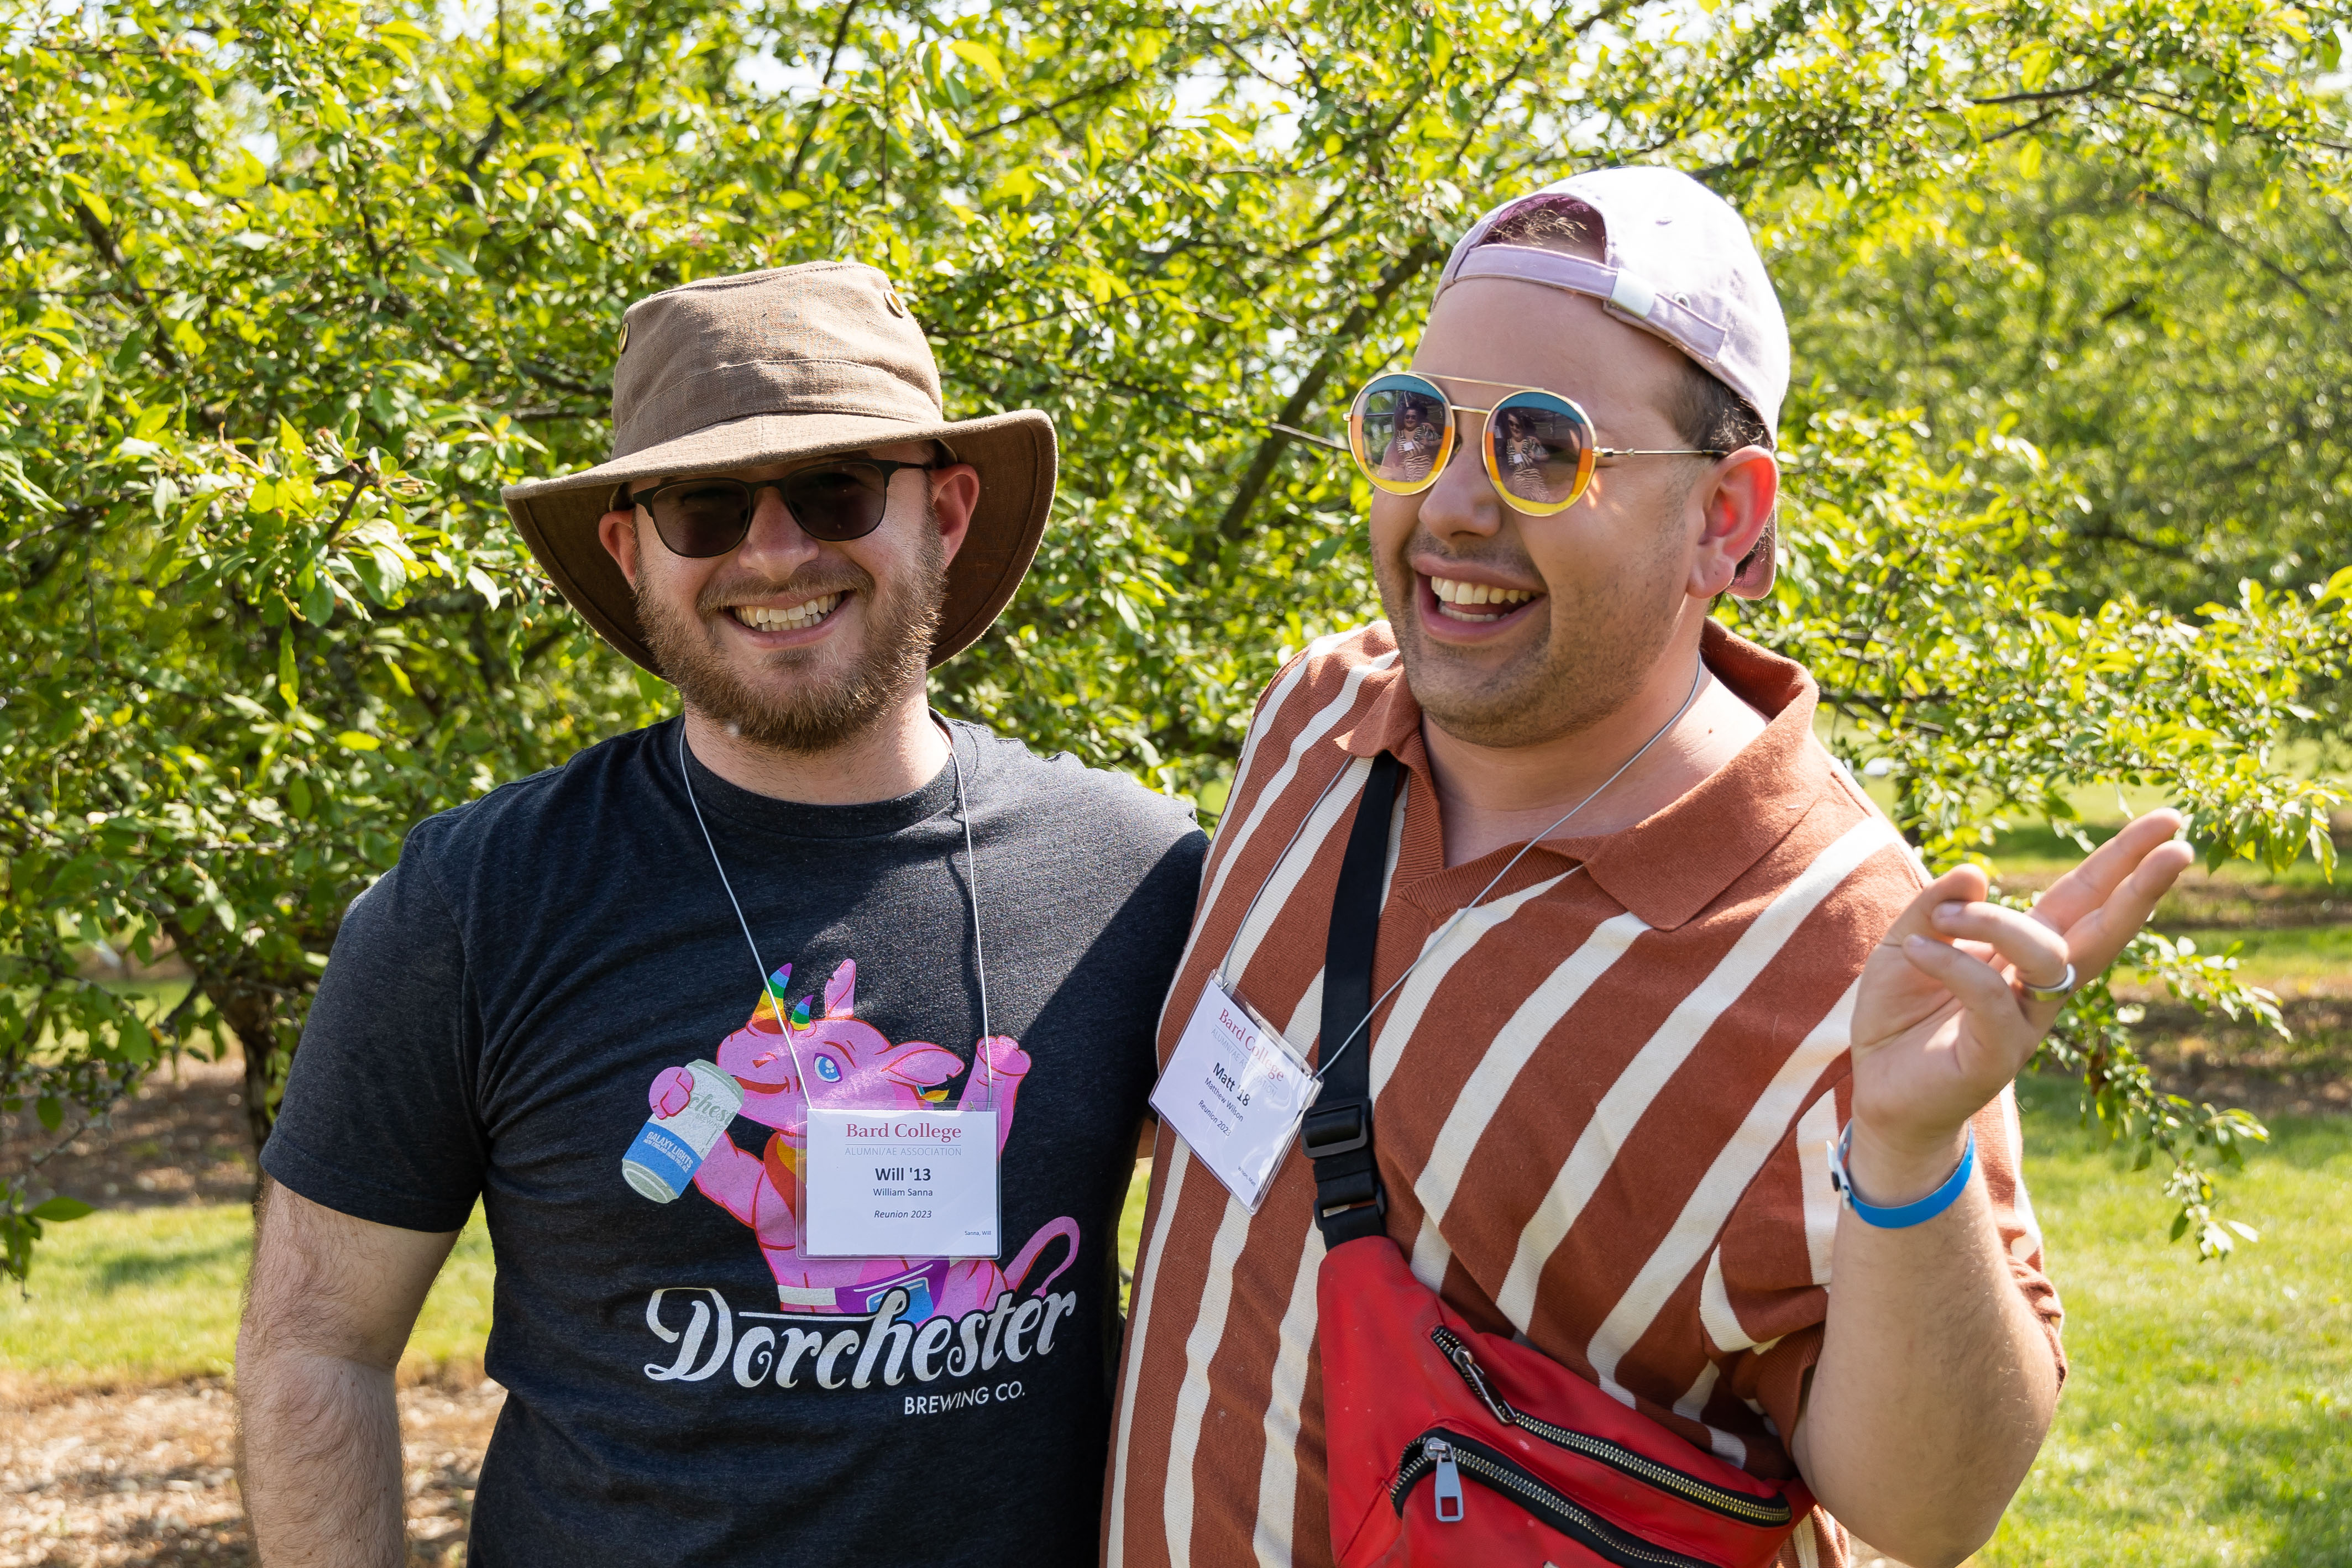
{"x": 1888, "y": 1171}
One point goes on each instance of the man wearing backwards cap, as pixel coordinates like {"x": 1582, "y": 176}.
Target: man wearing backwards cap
{"x": 1606, "y": 1098}
{"x": 604, "y": 1001}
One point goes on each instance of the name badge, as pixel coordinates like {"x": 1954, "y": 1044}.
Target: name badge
{"x": 1235, "y": 1091}
{"x": 901, "y": 1183}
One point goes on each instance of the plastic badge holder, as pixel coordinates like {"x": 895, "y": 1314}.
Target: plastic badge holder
{"x": 1235, "y": 1092}
{"x": 898, "y": 1183}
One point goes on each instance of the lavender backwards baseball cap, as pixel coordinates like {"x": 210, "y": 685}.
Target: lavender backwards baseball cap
{"x": 1676, "y": 261}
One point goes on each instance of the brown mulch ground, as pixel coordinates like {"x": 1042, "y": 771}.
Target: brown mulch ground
{"x": 2211, "y": 1058}
{"x": 145, "y": 1476}
{"x": 181, "y": 1139}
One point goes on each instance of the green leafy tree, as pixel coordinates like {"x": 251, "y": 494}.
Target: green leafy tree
{"x": 291, "y": 292}
{"x": 2172, "y": 332}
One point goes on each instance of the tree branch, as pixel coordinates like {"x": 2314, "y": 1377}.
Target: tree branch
{"x": 816, "y": 110}
{"x": 1404, "y": 270}
{"x": 103, "y": 240}
{"x": 2232, "y": 241}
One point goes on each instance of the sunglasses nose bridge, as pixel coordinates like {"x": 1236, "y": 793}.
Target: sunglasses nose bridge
{"x": 770, "y": 525}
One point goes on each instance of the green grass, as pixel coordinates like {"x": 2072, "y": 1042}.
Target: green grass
{"x": 1130, "y": 1229}
{"x": 2279, "y": 958}
{"x": 2036, "y": 850}
{"x": 2208, "y": 1418}
{"x": 150, "y": 1295}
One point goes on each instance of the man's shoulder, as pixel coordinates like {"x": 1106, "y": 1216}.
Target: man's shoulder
{"x": 541, "y": 810}
{"x": 1054, "y": 790}
{"x": 1842, "y": 854}
{"x": 1328, "y": 666}
{"x": 1333, "y": 671}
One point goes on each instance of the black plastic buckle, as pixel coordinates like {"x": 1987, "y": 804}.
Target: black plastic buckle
{"x": 1348, "y": 1190}
{"x": 1334, "y": 1130}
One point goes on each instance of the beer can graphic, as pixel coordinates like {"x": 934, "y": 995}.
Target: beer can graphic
{"x": 669, "y": 1149}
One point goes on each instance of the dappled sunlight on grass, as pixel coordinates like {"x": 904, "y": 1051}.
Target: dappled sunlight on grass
{"x": 2207, "y": 1420}
{"x": 152, "y": 1295}
{"x": 2209, "y": 1415}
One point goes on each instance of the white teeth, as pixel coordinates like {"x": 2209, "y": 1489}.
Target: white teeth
{"x": 1450, "y": 593}
{"x": 760, "y": 618}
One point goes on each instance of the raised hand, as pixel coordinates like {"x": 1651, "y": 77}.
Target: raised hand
{"x": 1941, "y": 1022}
{"x": 670, "y": 1091}
{"x": 1002, "y": 1054}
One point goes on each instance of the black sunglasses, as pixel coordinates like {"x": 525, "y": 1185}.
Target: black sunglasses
{"x": 700, "y": 518}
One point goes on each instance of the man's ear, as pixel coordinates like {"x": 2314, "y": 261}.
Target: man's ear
{"x": 955, "y": 493}
{"x": 1735, "y": 502}
{"x": 617, "y": 532}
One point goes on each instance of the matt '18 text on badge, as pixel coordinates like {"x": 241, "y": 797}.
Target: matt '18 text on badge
{"x": 1234, "y": 1091}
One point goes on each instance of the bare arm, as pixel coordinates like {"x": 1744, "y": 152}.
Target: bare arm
{"x": 1936, "y": 1383}
{"x": 328, "y": 1309}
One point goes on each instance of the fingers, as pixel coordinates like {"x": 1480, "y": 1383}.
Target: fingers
{"x": 2085, "y": 919}
{"x": 670, "y": 1091}
{"x": 1995, "y": 1011}
{"x": 1961, "y": 885}
{"x": 2038, "y": 954}
{"x": 2096, "y": 938}
{"x": 2091, "y": 883}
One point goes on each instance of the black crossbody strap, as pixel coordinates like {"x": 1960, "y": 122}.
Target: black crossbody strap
{"x": 1337, "y": 1132}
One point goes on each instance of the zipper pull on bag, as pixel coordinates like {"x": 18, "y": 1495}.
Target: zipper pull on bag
{"x": 1449, "y": 1480}
{"x": 1474, "y": 1375}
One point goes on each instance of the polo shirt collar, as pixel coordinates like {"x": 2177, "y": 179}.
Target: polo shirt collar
{"x": 1670, "y": 865}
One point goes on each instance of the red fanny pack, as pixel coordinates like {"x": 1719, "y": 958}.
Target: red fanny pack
{"x": 1448, "y": 1444}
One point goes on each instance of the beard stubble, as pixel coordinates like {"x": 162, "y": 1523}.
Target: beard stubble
{"x": 818, "y": 715}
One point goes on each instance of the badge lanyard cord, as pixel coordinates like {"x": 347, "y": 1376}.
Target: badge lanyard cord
{"x": 971, "y": 885}
{"x": 1698, "y": 678}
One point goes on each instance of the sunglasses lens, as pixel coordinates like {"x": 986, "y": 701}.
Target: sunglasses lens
{"x": 703, "y": 517}
{"x": 845, "y": 501}
{"x": 1398, "y": 429}
{"x": 1539, "y": 448}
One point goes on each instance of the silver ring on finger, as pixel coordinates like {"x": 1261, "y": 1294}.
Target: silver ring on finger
{"x": 2057, "y": 993}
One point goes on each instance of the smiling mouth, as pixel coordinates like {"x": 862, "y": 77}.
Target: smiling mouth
{"x": 1476, "y": 602}
{"x": 760, "y": 618}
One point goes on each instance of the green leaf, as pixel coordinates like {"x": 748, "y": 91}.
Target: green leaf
{"x": 980, "y": 55}
{"x": 319, "y": 598}
{"x": 62, "y": 1208}
{"x": 356, "y": 741}
{"x": 289, "y": 677}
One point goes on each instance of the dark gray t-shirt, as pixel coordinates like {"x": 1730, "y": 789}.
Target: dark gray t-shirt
{"x": 685, "y": 1385}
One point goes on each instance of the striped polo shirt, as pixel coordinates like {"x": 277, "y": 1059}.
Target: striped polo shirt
{"x": 1604, "y": 1104}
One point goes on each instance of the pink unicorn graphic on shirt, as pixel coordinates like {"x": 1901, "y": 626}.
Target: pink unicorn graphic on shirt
{"x": 851, "y": 1065}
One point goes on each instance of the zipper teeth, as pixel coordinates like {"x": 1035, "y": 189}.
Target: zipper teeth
{"x": 1416, "y": 1464}
{"x": 1511, "y": 1481}
{"x": 1640, "y": 1466}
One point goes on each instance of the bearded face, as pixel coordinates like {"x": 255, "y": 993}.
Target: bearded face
{"x": 813, "y": 696}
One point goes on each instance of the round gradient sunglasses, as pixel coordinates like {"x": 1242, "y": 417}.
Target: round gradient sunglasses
{"x": 1540, "y": 446}
{"x": 708, "y": 516}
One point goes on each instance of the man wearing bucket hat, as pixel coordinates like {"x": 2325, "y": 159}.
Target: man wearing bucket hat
{"x": 1637, "y": 1022}
{"x": 641, "y": 1006}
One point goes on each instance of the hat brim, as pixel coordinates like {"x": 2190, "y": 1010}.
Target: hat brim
{"x": 1014, "y": 452}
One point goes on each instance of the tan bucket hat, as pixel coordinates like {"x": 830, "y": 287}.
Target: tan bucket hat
{"x": 764, "y": 367}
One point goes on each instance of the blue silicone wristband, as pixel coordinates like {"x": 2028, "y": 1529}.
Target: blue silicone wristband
{"x": 1909, "y": 1214}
